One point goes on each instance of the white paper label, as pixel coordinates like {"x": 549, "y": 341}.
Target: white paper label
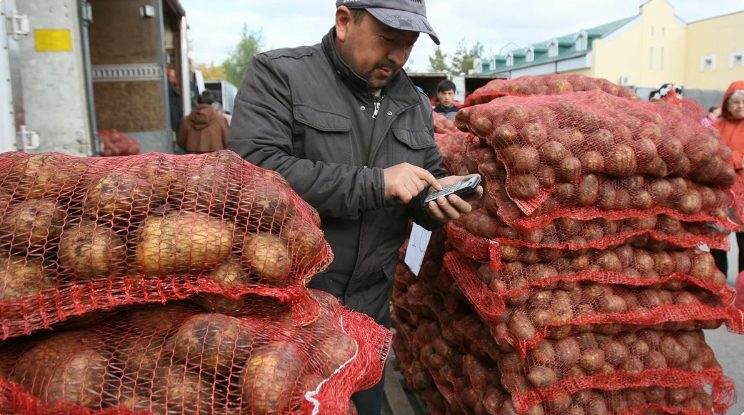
{"x": 417, "y": 243}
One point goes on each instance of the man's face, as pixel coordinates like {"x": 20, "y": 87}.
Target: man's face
{"x": 446, "y": 98}
{"x": 735, "y": 107}
{"x": 374, "y": 51}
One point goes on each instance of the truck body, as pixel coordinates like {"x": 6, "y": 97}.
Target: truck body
{"x": 77, "y": 66}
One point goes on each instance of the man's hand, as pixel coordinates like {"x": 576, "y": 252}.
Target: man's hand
{"x": 405, "y": 181}
{"x": 451, "y": 207}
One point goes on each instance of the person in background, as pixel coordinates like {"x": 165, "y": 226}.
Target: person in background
{"x": 446, "y": 97}
{"x": 204, "y": 130}
{"x": 174, "y": 100}
{"x": 714, "y": 113}
{"x": 345, "y": 125}
{"x": 731, "y": 129}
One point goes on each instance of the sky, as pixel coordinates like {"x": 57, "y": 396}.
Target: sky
{"x": 500, "y": 25}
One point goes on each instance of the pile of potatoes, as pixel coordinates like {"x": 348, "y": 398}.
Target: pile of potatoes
{"x": 178, "y": 359}
{"x": 448, "y": 356}
{"x": 544, "y": 85}
{"x": 67, "y": 220}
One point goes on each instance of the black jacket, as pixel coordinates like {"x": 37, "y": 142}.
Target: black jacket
{"x": 303, "y": 113}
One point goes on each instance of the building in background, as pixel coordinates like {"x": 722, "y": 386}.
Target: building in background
{"x": 642, "y": 51}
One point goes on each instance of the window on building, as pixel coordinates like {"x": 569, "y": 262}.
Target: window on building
{"x": 662, "y": 32}
{"x": 736, "y": 59}
{"x": 553, "y": 49}
{"x": 530, "y": 55}
{"x": 581, "y": 41}
{"x": 510, "y": 59}
{"x": 661, "y": 59}
{"x": 651, "y": 58}
{"x": 707, "y": 62}
{"x": 652, "y": 30}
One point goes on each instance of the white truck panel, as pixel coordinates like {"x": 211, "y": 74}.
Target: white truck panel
{"x": 54, "y": 82}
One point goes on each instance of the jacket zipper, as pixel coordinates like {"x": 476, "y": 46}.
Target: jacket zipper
{"x": 377, "y": 104}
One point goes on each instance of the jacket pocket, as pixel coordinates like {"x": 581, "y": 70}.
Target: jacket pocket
{"x": 320, "y": 135}
{"x": 409, "y": 146}
{"x": 321, "y": 120}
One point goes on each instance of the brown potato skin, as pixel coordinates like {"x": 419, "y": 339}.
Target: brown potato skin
{"x": 269, "y": 374}
{"x": 89, "y": 250}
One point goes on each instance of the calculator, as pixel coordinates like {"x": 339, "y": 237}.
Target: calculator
{"x": 464, "y": 188}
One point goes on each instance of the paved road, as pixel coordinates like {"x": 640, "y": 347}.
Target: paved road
{"x": 729, "y": 349}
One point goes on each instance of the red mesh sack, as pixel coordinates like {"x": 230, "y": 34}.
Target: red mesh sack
{"x": 562, "y": 139}
{"x": 116, "y": 143}
{"x": 559, "y": 368}
{"x": 521, "y": 317}
{"x": 442, "y": 124}
{"x": 544, "y": 85}
{"x": 451, "y": 145}
{"x": 476, "y": 383}
{"x": 574, "y": 234}
{"x": 84, "y": 234}
{"x": 596, "y": 195}
{"x": 177, "y": 359}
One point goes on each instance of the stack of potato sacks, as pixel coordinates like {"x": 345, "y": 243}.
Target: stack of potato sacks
{"x": 225, "y": 248}
{"x": 581, "y": 263}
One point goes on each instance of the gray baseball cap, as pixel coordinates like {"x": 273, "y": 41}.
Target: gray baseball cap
{"x": 399, "y": 14}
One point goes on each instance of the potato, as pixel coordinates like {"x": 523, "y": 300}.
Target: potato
{"x": 503, "y": 135}
{"x": 88, "y": 250}
{"x": 523, "y": 186}
{"x": 645, "y": 150}
{"x": 690, "y": 202}
{"x": 178, "y": 390}
{"x": 268, "y": 378}
{"x": 521, "y": 159}
{"x": 162, "y": 175}
{"x": 231, "y": 275}
{"x": 77, "y": 379}
{"x": 592, "y": 360}
{"x": 206, "y": 189}
{"x": 267, "y": 256}
{"x": 182, "y": 242}
{"x": 675, "y": 354}
{"x": 612, "y": 304}
{"x": 119, "y": 197}
{"x": 306, "y": 242}
{"x": 22, "y": 277}
{"x": 534, "y": 133}
{"x": 621, "y": 161}
{"x": 568, "y": 351}
{"x": 45, "y": 175}
{"x": 33, "y": 227}
{"x": 592, "y": 162}
{"x": 542, "y": 376}
{"x": 151, "y": 319}
{"x": 334, "y": 351}
{"x": 521, "y": 327}
{"x": 569, "y": 169}
{"x": 616, "y": 353}
{"x": 216, "y": 303}
{"x": 642, "y": 200}
{"x": 553, "y": 152}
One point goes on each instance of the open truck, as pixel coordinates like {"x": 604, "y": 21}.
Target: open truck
{"x": 72, "y": 67}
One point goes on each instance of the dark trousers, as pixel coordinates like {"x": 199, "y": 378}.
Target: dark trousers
{"x": 369, "y": 401}
{"x": 720, "y": 256}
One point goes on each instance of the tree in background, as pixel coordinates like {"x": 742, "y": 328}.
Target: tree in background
{"x": 463, "y": 58}
{"x": 438, "y": 62}
{"x": 239, "y": 58}
{"x": 212, "y": 72}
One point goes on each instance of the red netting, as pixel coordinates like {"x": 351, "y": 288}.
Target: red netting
{"x": 177, "y": 359}
{"x": 116, "y": 143}
{"x": 509, "y": 274}
{"x": 521, "y": 315}
{"x": 590, "y": 142}
{"x": 442, "y": 124}
{"x": 595, "y": 195}
{"x": 598, "y": 233}
{"x": 451, "y": 145}
{"x": 85, "y": 234}
{"x": 442, "y": 354}
{"x": 544, "y": 85}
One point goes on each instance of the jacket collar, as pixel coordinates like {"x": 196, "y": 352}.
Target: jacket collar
{"x": 399, "y": 88}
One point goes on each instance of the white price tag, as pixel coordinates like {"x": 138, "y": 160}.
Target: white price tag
{"x": 417, "y": 243}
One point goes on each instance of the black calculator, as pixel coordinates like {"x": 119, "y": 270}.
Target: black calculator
{"x": 464, "y": 188}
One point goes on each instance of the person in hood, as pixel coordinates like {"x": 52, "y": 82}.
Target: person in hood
{"x": 731, "y": 128}
{"x": 204, "y": 130}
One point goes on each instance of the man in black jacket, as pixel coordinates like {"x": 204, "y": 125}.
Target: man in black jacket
{"x": 343, "y": 123}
